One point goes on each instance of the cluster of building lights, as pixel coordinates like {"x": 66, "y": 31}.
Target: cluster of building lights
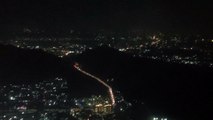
{"x": 140, "y": 45}
{"x": 156, "y": 118}
{"x": 45, "y": 100}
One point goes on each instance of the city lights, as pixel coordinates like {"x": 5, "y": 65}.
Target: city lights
{"x": 99, "y": 80}
{"x": 106, "y": 60}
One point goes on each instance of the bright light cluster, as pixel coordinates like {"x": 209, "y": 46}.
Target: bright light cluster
{"x": 99, "y": 80}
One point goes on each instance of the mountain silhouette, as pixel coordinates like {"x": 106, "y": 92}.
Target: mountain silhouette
{"x": 170, "y": 89}
{"x": 28, "y": 66}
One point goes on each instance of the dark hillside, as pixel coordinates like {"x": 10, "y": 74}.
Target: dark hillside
{"x": 175, "y": 89}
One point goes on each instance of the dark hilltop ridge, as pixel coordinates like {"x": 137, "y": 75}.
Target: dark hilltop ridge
{"x": 170, "y": 89}
{"x": 27, "y": 66}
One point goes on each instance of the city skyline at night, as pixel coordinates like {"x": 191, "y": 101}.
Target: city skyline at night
{"x": 106, "y": 60}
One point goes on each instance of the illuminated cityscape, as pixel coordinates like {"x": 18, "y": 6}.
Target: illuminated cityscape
{"x": 106, "y": 60}
{"x": 51, "y": 99}
{"x": 53, "y": 96}
{"x": 194, "y": 49}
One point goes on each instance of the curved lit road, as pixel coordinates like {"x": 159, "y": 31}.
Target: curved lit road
{"x": 76, "y": 66}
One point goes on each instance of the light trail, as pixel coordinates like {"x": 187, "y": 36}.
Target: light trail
{"x": 99, "y": 80}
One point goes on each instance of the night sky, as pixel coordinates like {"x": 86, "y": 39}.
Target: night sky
{"x": 156, "y": 15}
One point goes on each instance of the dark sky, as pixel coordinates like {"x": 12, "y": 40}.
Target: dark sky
{"x": 180, "y": 15}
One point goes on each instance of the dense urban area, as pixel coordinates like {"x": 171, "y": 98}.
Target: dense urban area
{"x": 51, "y": 99}
{"x": 106, "y": 60}
{"x": 169, "y": 47}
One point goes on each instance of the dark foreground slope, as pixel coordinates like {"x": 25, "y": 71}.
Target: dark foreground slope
{"x": 177, "y": 91}
{"x": 24, "y": 66}
{"x": 174, "y": 90}
{"x": 28, "y": 66}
